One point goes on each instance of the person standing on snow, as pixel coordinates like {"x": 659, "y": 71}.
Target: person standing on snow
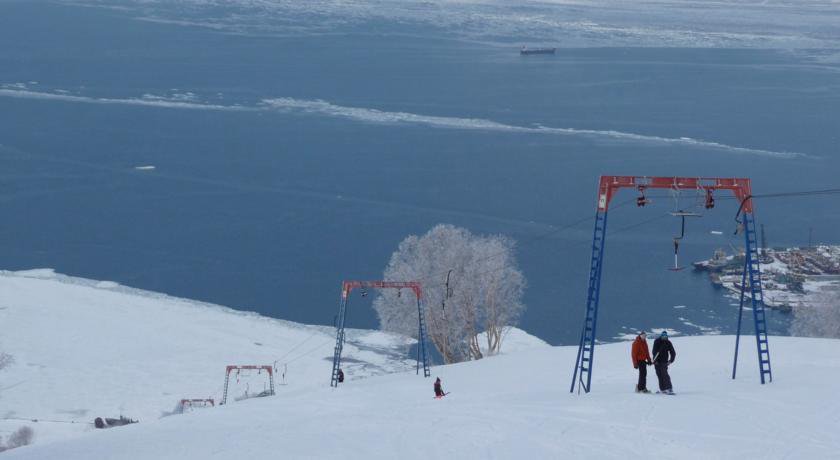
{"x": 663, "y": 355}
{"x": 641, "y": 360}
{"x": 439, "y": 389}
{"x": 340, "y": 376}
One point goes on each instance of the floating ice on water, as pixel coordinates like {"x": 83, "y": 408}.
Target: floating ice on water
{"x": 371, "y": 115}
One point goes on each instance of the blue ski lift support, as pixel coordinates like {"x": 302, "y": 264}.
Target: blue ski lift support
{"x": 608, "y": 186}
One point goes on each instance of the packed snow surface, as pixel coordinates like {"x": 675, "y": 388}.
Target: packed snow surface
{"x": 84, "y": 349}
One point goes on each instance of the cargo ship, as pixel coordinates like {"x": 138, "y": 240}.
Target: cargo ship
{"x": 526, "y": 51}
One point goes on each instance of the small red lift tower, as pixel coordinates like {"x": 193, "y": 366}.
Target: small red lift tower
{"x": 202, "y": 402}
{"x": 238, "y": 368}
{"x": 346, "y": 288}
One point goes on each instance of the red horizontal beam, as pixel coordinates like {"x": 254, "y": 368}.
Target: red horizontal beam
{"x": 608, "y": 186}
{"x": 234, "y": 367}
{"x": 184, "y": 402}
{"x": 348, "y": 286}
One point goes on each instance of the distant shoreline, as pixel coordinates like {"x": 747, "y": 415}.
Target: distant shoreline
{"x": 790, "y": 276}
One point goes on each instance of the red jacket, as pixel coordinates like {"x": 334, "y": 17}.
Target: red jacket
{"x": 639, "y": 352}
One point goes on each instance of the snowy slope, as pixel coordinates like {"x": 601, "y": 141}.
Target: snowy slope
{"x": 509, "y": 406}
{"x": 85, "y": 349}
{"x": 512, "y": 406}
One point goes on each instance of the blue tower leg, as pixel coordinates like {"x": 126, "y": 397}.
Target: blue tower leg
{"x": 740, "y": 317}
{"x": 422, "y": 353}
{"x": 752, "y": 280}
{"x": 586, "y": 348}
{"x": 339, "y": 341}
{"x": 759, "y": 315}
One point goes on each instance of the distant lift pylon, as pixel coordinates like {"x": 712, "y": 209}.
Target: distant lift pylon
{"x": 608, "y": 186}
{"x": 346, "y": 288}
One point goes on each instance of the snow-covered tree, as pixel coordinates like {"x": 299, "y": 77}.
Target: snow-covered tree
{"x": 5, "y": 360}
{"x": 485, "y": 290}
{"x": 22, "y": 437}
{"x": 818, "y": 318}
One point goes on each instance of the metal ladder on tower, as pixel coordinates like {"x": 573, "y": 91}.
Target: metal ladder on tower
{"x": 422, "y": 353}
{"x": 586, "y": 349}
{"x": 339, "y": 340}
{"x": 752, "y": 278}
{"x": 225, "y": 392}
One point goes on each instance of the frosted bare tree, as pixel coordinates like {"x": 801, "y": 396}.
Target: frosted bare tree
{"x": 485, "y": 290}
{"x": 22, "y": 437}
{"x": 503, "y": 287}
{"x": 818, "y": 318}
{"x": 6, "y": 360}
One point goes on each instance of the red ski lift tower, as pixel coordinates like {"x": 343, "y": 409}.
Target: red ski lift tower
{"x": 346, "y": 288}
{"x": 608, "y": 186}
{"x": 238, "y": 368}
{"x": 202, "y": 402}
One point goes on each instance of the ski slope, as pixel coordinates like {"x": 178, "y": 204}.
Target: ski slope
{"x": 82, "y": 345}
{"x": 85, "y": 349}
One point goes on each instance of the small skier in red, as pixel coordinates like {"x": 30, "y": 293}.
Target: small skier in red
{"x": 439, "y": 389}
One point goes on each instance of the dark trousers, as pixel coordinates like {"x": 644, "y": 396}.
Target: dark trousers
{"x": 642, "y": 385}
{"x": 662, "y": 375}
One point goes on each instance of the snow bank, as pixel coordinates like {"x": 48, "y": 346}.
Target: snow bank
{"x": 514, "y": 340}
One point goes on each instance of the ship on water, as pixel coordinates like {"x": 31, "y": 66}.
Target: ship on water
{"x": 526, "y": 51}
{"x": 719, "y": 261}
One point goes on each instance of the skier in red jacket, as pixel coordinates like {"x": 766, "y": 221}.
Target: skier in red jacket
{"x": 640, "y": 355}
{"x": 439, "y": 389}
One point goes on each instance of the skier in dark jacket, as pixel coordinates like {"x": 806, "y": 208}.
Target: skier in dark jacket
{"x": 663, "y": 355}
{"x": 438, "y": 389}
{"x": 340, "y": 376}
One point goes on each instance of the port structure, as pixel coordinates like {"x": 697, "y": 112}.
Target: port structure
{"x": 347, "y": 288}
{"x": 608, "y": 186}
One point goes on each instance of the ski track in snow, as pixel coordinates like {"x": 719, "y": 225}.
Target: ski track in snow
{"x": 375, "y": 116}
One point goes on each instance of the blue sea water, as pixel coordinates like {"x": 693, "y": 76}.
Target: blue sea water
{"x": 269, "y": 207}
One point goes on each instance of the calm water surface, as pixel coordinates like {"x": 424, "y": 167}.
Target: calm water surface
{"x": 270, "y": 209}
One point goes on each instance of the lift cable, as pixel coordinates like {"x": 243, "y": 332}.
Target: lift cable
{"x": 801, "y": 193}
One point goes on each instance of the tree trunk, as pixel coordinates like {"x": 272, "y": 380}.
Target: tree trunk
{"x": 475, "y": 349}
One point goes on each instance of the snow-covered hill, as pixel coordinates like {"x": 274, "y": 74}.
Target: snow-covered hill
{"x": 84, "y": 349}
{"x": 118, "y": 347}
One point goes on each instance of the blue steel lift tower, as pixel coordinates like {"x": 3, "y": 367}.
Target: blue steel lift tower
{"x": 608, "y": 186}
